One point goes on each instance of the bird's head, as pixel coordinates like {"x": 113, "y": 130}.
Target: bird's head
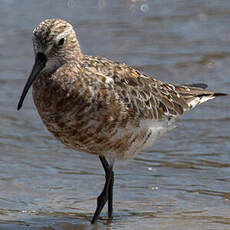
{"x": 55, "y": 43}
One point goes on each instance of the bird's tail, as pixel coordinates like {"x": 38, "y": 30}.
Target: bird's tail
{"x": 196, "y": 94}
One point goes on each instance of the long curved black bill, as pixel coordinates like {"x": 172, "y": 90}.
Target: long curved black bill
{"x": 40, "y": 62}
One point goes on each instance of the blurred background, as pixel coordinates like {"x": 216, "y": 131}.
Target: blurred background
{"x": 181, "y": 182}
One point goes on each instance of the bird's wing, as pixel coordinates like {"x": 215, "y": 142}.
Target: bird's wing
{"x": 144, "y": 96}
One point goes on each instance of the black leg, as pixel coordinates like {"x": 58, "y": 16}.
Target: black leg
{"x": 107, "y": 192}
{"x": 110, "y": 199}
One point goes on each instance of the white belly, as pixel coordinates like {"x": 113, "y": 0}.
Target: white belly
{"x": 140, "y": 138}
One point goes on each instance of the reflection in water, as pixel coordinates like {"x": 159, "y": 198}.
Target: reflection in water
{"x": 182, "y": 181}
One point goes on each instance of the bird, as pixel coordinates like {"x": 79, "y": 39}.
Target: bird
{"x": 98, "y": 106}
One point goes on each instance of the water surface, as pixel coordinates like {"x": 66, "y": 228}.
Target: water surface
{"x": 181, "y": 182}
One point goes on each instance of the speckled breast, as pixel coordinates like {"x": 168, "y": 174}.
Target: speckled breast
{"x": 87, "y": 123}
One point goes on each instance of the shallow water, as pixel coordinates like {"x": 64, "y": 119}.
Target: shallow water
{"x": 182, "y": 182}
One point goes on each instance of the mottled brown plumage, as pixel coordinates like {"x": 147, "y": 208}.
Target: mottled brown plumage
{"x": 98, "y": 106}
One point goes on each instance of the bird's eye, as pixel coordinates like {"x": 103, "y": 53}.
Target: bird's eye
{"x": 61, "y": 41}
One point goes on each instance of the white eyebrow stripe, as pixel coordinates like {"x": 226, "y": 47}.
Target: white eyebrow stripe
{"x": 63, "y": 34}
